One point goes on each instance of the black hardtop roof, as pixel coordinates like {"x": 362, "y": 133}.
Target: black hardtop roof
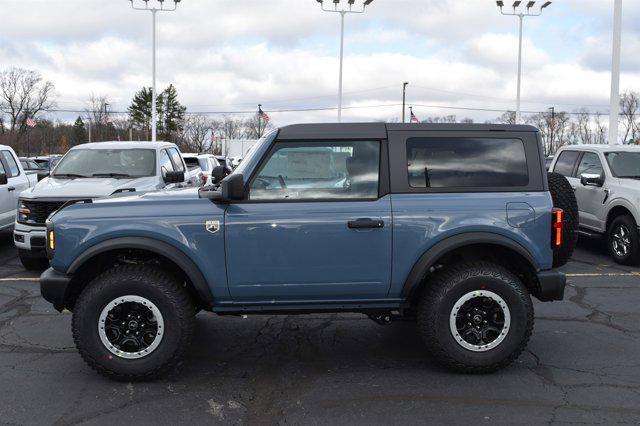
{"x": 380, "y": 130}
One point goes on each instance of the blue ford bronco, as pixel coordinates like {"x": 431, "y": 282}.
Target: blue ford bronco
{"x": 453, "y": 226}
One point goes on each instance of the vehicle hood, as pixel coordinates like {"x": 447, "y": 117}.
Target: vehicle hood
{"x": 87, "y": 187}
{"x": 180, "y": 194}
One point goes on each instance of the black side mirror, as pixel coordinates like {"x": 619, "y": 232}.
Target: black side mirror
{"x": 42, "y": 175}
{"x": 3, "y": 179}
{"x": 218, "y": 173}
{"x": 174, "y": 177}
{"x": 588, "y": 179}
{"x": 233, "y": 187}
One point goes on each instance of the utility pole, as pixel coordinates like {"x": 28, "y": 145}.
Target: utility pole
{"x": 615, "y": 74}
{"x": 343, "y": 13}
{"x": 154, "y": 11}
{"x": 553, "y": 125}
{"x": 521, "y": 15}
{"x": 259, "y": 119}
{"x": 404, "y": 100}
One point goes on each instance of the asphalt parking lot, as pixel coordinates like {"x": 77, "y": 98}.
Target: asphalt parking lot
{"x": 582, "y": 365}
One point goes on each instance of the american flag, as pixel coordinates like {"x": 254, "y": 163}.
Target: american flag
{"x": 30, "y": 122}
{"x": 414, "y": 119}
{"x": 107, "y": 120}
{"x": 263, "y": 115}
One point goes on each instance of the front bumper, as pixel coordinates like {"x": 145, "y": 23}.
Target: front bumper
{"x": 551, "y": 285}
{"x": 54, "y": 287}
{"x": 30, "y": 238}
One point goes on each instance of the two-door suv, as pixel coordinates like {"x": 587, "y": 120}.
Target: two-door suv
{"x": 451, "y": 225}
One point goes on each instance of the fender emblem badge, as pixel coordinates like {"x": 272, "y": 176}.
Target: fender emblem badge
{"x": 212, "y": 226}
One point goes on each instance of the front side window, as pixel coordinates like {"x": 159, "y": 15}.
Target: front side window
{"x": 177, "y": 160}
{"x": 319, "y": 170}
{"x": 566, "y": 162}
{"x": 466, "y": 163}
{"x": 116, "y": 163}
{"x": 624, "y": 164}
{"x": 590, "y": 164}
{"x": 165, "y": 163}
{"x": 13, "y": 170}
{"x": 2, "y": 171}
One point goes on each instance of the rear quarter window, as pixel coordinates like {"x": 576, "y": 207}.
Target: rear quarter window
{"x": 466, "y": 163}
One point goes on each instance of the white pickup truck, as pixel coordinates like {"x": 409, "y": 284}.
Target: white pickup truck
{"x": 90, "y": 171}
{"x": 13, "y": 180}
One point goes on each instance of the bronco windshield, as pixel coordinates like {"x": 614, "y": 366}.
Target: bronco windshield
{"x": 624, "y": 164}
{"x": 115, "y": 163}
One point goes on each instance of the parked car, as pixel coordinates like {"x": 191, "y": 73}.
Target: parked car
{"x": 13, "y": 180}
{"x": 30, "y": 165}
{"x": 91, "y": 171}
{"x": 450, "y": 225}
{"x": 606, "y": 180}
{"x": 47, "y": 162}
{"x": 206, "y": 163}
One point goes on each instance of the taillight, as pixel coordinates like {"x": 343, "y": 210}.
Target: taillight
{"x": 557, "y": 220}
{"x": 204, "y": 180}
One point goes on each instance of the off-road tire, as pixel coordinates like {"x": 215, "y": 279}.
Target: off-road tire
{"x": 31, "y": 262}
{"x": 565, "y": 199}
{"x": 441, "y": 293}
{"x": 155, "y": 285}
{"x": 633, "y": 256}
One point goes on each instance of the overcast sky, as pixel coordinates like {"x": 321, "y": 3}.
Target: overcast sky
{"x": 229, "y": 55}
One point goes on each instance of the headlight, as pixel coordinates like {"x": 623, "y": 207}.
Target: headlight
{"x": 23, "y": 212}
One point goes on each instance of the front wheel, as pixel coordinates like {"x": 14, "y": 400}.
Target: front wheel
{"x": 623, "y": 241}
{"x": 133, "y": 322}
{"x": 31, "y": 261}
{"x": 475, "y": 317}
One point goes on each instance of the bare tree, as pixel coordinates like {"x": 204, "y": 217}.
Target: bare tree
{"x": 24, "y": 94}
{"x": 196, "y": 133}
{"x": 508, "y": 117}
{"x": 97, "y": 117}
{"x": 601, "y": 131}
{"x": 585, "y": 132}
{"x": 255, "y": 128}
{"x": 630, "y": 109}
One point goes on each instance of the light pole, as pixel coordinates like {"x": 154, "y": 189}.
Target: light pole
{"x": 404, "y": 99}
{"x": 615, "y": 74}
{"x": 154, "y": 11}
{"x": 343, "y": 12}
{"x": 521, "y": 15}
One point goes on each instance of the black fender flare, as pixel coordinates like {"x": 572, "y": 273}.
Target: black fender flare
{"x": 172, "y": 253}
{"x": 431, "y": 256}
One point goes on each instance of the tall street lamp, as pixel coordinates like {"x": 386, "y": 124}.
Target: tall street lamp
{"x": 404, "y": 99}
{"x": 521, "y": 15}
{"x": 156, "y": 7}
{"x": 615, "y": 74}
{"x": 343, "y": 11}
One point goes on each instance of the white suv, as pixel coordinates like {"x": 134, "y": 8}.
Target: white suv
{"x": 606, "y": 180}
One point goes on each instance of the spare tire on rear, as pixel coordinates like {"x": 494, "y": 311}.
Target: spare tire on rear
{"x": 565, "y": 199}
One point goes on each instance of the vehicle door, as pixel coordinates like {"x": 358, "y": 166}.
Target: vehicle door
{"x": 591, "y": 198}
{"x": 7, "y": 209}
{"x": 316, "y": 225}
{"x": 16, "y": 183}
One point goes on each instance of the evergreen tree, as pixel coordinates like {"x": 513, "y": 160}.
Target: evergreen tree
{"x": 170, "y": 112}
{"x": 79, "y": 132}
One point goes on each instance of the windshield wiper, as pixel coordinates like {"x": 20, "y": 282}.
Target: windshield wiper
{"x": 629, "y": 177}
{"x": 113, "y": 175}
{"x": 69, "y": 175}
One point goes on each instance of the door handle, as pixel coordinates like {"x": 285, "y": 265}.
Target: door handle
{"x": 11, "y": 188}
{"x": 365, "y": 223}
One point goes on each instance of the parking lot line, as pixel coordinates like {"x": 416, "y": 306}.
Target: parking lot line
{"x": 20, "y": 279}
{"x": 621, "y": 274}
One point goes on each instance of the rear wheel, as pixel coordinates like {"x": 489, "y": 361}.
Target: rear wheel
{"x": 32, "y": 262}
{"x": 133, "y": 322}
{"x": 623, "y": 240}
{"x": 475, "y": 317}
{"x": 565, "y": 199}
